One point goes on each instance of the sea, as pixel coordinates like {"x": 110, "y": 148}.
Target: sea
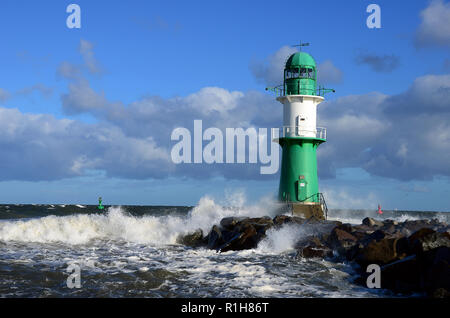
{"x": 58, "y": 250}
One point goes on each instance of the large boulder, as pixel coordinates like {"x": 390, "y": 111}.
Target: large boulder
{"x": 381, "y": 252}
{"x": 238, "y": 233}
{"x": 281, "y": 220}
{"x": 428, "y": 273}
{"x": 372, "y": 222}
{"x": 417, "y": 263}
{"x": 313, "y": 247}
{"x": 341, "y": 240}
{"x": 229, "y": 223}
{"x": 436, "y": 275}
{"x": 403, "y": 276}
{"x": 243, "y": 238}
{"x": 427, "y": 239}
{"x": 194, "y": 239}
{"x": 215, "y": 238}
{"x": 261, "y": 224}
{"x": 410, "y": 226}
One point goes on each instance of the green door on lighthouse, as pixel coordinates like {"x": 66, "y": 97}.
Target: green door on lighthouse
{"x": 302, "y": 190}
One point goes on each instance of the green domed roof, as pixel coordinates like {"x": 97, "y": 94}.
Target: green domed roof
{"x": 300, "y": 58}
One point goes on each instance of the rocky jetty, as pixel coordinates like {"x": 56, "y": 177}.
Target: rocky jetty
{"x": 414, "y": 256}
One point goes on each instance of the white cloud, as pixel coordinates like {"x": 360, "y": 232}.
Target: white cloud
{"x": 270, "y": 71}
{"x": 328, "y": 73}
{"x": 82, "y": 98}
{"x": 378, "y": 63}
{"x": 4, "y": 95}
{"x": 41, "y": 147}
{"x": 213, "y": 99}
{"x": 404, "y": 136}
{"x": 39, "y": 87}
{"x": 68, "y": 70}
{"x": 86, "y": 49}
{"x": 434, "y": 29}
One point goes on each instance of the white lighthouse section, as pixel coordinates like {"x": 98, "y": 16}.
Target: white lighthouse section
{"x": 300, "y": 116}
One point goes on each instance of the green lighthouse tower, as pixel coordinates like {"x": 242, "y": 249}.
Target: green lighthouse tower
{"x": 299, "y": 136}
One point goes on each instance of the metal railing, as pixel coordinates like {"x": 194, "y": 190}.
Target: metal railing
{"x": 324, "y": 204}
{"x": 280, "y": 90}
{"x": 296, "y": 131}
{"x": 318, "y": 197}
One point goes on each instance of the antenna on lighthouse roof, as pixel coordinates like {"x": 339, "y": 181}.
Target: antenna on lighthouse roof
{"x": 300, "y": 45}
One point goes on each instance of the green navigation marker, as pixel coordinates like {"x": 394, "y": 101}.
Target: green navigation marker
{"x": 100, "y": 206}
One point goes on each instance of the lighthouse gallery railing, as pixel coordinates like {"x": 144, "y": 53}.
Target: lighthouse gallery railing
{"x": 295, "y": 131}
{"x": 280, "y": 90}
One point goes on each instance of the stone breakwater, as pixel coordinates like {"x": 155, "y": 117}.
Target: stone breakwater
{"x": 414, "y": 256}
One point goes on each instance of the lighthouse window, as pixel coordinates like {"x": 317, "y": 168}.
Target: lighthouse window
{"x": 292, "y": 73}
{"x": 303, "y": 72}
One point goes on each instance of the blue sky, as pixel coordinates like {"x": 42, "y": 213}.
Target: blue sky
{"x": 129, "y": 57}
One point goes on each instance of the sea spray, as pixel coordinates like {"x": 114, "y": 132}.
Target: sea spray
{"x": 118, "y": 224}
{"x": 131, "y": 252}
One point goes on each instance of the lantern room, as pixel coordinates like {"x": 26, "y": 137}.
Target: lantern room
{"x": 300, "y": 75}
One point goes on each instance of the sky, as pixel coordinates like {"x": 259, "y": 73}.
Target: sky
{"x": 88, "y": 112}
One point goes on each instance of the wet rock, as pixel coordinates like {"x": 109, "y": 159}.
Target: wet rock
{"x": 410, "y": 226}
{"x": 281, "y": 220}
{"x": 362, "y": 228}
{"x": 390, "y": 229}
{"x": 229, "y": 223}
{"x": 380, "y": 252}
{"x": 441, "y": 293}
{"x": 238, "y": 233}
{"x": 246, "y": 237}
{"x": 347, "y": 227}
{"x": 316, "y": 251}
{"x": 437, "y": 269}
{"x": 215, "y": 238}
{"x": 425, "y": 273}
{"x": 427, "y": 239}
{"x": 194, "y": 239}
{"x": 372, "y": 222}
{"x": 313, "y": 247}
{"x": 376, "y": 236}
{"x": 403, "y": 276}
{"x": 415, "y": 264}
{"x": 414, "y": 255}
{"x": 261, "y": 224}
{"x": 341, "y": 240}
{"x": 361, "y": 231}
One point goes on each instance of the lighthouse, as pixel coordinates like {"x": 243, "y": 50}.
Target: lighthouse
{"x": 300, "y": 136}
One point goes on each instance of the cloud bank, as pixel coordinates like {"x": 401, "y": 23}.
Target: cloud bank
{"x": 434, "y": 29}
{"x": 404, "y": 136}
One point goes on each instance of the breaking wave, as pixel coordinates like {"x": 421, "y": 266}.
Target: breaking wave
{"x": 118, "y": 224}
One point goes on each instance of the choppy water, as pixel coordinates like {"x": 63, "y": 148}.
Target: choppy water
{"x": 132, "y": 252}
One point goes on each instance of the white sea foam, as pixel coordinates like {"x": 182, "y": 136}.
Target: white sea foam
{"x": 117, "y": 224}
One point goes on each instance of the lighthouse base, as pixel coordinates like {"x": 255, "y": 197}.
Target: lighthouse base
{"x": 309, "y": 210}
